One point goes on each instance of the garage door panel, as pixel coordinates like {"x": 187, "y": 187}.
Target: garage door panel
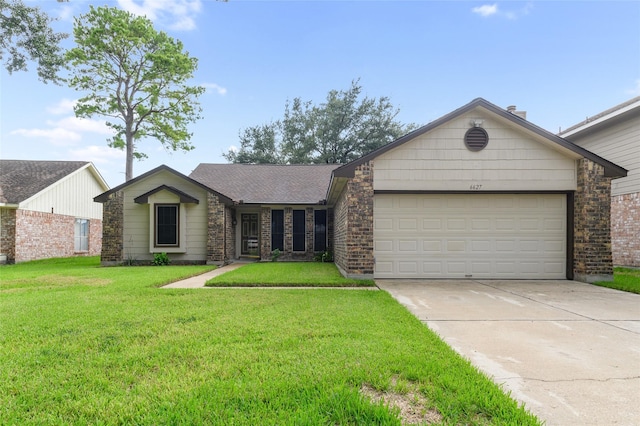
{"x": 470, "y": 235}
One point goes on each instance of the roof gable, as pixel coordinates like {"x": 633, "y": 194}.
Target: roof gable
{"x": 184, "y": 197}
{"x": 268, "y": 183}
{"x": 611, "y": 169}
{"x": 105, "y": 195}
{"x": 23, "y": 179}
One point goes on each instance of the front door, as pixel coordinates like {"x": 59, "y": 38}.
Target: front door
{"x": 249, "y": 238}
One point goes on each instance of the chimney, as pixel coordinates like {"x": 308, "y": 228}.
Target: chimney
{"x": 521, "y": 114}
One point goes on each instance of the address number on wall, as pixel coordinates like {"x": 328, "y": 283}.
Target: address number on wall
{"x": 476, "y": 187}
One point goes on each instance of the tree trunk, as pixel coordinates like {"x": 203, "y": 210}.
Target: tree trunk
{"x": 128, "y": 173}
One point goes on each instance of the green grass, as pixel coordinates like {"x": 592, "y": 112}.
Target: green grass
{"x": 80, "y": 344}
{"x": 625, "y": 279}
{"x": 286, "y": 274}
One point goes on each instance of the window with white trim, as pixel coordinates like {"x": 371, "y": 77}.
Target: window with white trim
{"x": 81, "y": 235}
{"x": 167, "y": 225}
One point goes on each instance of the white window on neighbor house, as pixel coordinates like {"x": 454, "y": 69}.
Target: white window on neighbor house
{"x": 81, "y": 235}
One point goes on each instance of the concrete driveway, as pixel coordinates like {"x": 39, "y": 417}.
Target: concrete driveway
{"x": 569, "y": 351}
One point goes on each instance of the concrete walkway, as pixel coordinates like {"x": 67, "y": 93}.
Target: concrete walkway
{"x": 199, "y": 280}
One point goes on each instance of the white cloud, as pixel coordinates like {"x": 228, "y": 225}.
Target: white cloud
{"x": 215, "y": 88}
{"x": 176, "y": 14}
{"x": 635, "y": 91}
{"x": 57, "y": 136}
{"x": 486, "y": 9}
{"x": 97, "y": 154}
{"x": 493, "y": 9}
{"x": 65, "y": 106}
{"x": 82, "y": 125}
{"x": 65, "y": 132}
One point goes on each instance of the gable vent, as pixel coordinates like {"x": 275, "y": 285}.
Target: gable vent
{"x": 476, "y": 139}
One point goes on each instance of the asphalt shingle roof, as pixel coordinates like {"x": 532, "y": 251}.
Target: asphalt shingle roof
{"x": 267, "y": 183}
{"x": 21, "y": 179}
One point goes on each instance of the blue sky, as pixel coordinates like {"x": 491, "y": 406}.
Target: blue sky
{"x": 561, "y": 61}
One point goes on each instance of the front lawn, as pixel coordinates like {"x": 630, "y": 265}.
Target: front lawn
{"x": 286, "y": 274}
{"x": 80, "y": 344}
{"x": 625, "y": 279}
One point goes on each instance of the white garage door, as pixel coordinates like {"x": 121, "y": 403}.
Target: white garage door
{"x": 510, "y": 236}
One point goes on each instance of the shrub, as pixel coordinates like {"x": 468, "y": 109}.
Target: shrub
{"x": 275, "y": 255}
{"x": 160, "y": 259}
{"x": 325, "y": 256}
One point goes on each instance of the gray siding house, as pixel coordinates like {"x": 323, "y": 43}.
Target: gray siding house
{"x": 615, "y": 134}
{"x": 479, "y": 193}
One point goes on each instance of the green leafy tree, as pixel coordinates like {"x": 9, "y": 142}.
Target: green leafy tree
{"x": 344, "y": 127}
{"x": 26, "y": 35}
{"x": 137, "y": 78}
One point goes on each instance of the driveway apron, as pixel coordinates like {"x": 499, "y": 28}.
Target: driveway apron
{"x": 569, "y": 351}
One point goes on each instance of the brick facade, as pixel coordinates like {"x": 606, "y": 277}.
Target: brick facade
{"x": 8, "y": 234}
{"x": 112, "y": 230}
{"x": 41, "y": 235}
{"x": 592, "y": 220}
{"x": 287, "y": 253}
{"x": 265, "y": 233}
{"x": 230, "y": 234}
{"x": 353, "y": 229}
{"x": 625, "y": 229}
{"x": 216, "y": 231}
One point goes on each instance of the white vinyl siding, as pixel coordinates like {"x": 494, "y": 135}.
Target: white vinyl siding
{"x": 504, "y": 236}
{"x": 439, "y": 161}
{"x": 71, "y": 196}
{"x": 620, "y": 144}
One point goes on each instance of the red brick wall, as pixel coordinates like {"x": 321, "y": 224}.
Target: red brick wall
{"x": 40, "y": 235}
{"x": 625, "y": 229}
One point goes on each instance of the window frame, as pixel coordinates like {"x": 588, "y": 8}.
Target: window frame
{"x": 155, "y": 225}
{"x": 79, "y": 237}
{"x": 316, "y": 240}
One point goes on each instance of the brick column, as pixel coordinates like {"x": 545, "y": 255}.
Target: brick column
{"x": 215, "y": 230}
{"x": 353, "y": 233}
{"x": 265, "y": 233}
{"x": 8, "y": 234}
{"x": 592, "y": 224}
{"x": 309, "y": 219}
{"x": 113, "y": 230}
{"x": 288, "y": 232}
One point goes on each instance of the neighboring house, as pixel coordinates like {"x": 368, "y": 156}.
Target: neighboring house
{"x": 480, "y": 193}
{"x": 47, "y": 209}
{"x": 615, "y": 134}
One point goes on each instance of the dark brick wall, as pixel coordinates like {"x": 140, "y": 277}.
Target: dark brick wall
{"x": 592, "y": 224}
{"x": 625, "y": 229}
{"x": 112, "y": 229}
{"x": 353, "y": 231}
{"x": 230, "y": 234}
{"x": 8, "y": 234}
{"x": 216, "y": 230}
{"x": 265, "y": 233}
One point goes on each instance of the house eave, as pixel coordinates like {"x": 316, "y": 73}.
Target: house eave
{"x": 611, "y": 169}
{"x": 104, "y": 197}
